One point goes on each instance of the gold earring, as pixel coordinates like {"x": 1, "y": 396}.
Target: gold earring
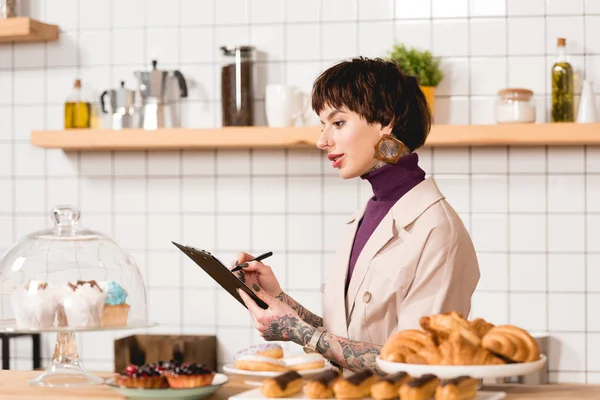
{"x": 389, "y": 149}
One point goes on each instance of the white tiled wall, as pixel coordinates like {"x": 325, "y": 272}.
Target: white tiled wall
{"x": 532, "y": 212}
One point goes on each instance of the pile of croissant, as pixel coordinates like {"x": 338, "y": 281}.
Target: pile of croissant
{"x": 450, "y": 339}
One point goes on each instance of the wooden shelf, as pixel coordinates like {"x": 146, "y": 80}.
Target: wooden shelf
{"x": 564, "y": 134}
{"x": 24, "y": 29}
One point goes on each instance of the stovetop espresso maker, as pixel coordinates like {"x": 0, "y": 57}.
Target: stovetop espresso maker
{"x": 159, "y": 101}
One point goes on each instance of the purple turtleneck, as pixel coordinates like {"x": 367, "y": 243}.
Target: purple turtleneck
{"x": 389, "y": 184}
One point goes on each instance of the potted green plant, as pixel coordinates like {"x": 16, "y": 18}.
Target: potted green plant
{"x": 422, "y": 65}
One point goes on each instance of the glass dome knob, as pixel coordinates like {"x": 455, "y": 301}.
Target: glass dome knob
{"x": 65, "y": 215}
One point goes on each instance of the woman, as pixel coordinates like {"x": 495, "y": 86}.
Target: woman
{"x": 405, "y": 255}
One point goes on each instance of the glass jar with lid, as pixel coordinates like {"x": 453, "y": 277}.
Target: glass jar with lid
{"x": 515, "y": 105}
{"x": 67, "y": 279}
{"x": 237, "y": 85}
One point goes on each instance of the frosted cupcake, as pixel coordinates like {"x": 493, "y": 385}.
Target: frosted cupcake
{"x": 34, "y": 305}
{"x": 83, "y": 304}
{"x": 116, "y": 310}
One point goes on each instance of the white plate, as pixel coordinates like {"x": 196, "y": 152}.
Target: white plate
{"x": 232, "y": 370}
{"x": 453, "y": 371}
{"x": 168, "y": 394}
{"x": 255, "y": 394}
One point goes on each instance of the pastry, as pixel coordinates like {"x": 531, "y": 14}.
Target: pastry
{"x": 388, "y": 386}
{"x": 457, "y": 351}
{"x": 461, "y": 388}
{"x": 481, "y": 326}
{"x": 116, "y": 310}
{"x": 260, "y": 363}
{"x": 442, "y": 325}
{"x": 303, "y": 363}
{"x": 422, "y": 388}
{"x": 189, "y": 375}
{"x": 146, "y": 376}
{"x": 403, "y": 344}
{"x": 270, "y": 350}
{"x": 283, "y": 385}
{"x": 83, "y": 304}
{"x": 321, "y": 386}
{"x": 35, "y": 305}
{"x": 356, "y": 386}
{"x": 513, "y": 343}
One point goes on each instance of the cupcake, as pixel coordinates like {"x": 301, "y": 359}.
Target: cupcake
{"x": 189, "y": 375}
{"x": 115, "y": 311}
{"x": 83, "y": 304}
{"x": 146, "y": 376}
{"x": 35, "y": 305}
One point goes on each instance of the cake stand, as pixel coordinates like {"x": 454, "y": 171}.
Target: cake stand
{"x": 66, "y": 368}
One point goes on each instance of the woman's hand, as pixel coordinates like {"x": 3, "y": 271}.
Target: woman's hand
{"x": 279, "y": 322}
{"x": 257, "y": 275}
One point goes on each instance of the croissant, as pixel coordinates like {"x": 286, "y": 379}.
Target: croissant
{"x": 441, "y": 326}
{"x": 456, "y": 351}
{"x": 481, "y": 326}
{"x": 404, "y": 344}
{"x": 512, "y": 342}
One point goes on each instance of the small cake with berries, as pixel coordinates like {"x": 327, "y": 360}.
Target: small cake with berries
{"x": 188, "y": 375}
{"x": 147, "y": 376}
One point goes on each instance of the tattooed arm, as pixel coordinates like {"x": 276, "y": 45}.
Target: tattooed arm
{"x": 349, "y": 354}
{"x": 303, "y": 313}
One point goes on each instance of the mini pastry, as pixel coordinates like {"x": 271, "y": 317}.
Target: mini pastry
{"x": 283, "y": 385}
{"x": 116, "y": 310}
{"x": 511, "y": 342}
{"x": 388, "y": 386}
{"x": 146, "y": 376}
{"x": 83, "y": 303}
{"x": 270, "y": 350}
{"x": 422, "y": 388}
{"x": 303, "y": 363}
{"x": 189, "y": 375}
{"x": 35, "y": 305}
{"x": 461, "y": 388}
{"x": 441, "y": 326}
{"x": 356, "y": 386}
{"x": 321, "y": 386}
{"x": 481, "y": 326}
{"x": 259, "y": 363}
{"x": 405, "y": 343}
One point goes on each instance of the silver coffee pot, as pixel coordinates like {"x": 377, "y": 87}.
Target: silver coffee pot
{"x": 121, "y": 107}
{"x": 158, "y": 105}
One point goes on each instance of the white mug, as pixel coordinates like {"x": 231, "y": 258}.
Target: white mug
{"x": 284, "y": 104}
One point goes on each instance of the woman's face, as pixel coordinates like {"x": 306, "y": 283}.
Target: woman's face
{"x": 349, "y": 141}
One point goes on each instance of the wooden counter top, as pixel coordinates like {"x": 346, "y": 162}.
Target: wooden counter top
{"x": 15, "y": 385}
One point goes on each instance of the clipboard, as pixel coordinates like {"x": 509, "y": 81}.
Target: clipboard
{"x": 220, "y": 273}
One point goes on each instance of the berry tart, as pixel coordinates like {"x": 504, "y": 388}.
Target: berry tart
{"x": 188, "y": 375}
{"x": 148, "y": 376}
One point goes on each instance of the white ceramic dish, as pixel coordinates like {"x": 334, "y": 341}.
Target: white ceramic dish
{"x": 453, "y": 371}
{"x": 170, "y": 394}
{"x": 255, "y": 394}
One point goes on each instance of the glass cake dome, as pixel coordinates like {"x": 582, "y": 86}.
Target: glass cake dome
{"x": 67, "y": 279}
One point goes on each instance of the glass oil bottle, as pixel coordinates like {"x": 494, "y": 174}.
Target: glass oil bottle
{"x": 78, "y": 112}
{"x": 563, "y": 109}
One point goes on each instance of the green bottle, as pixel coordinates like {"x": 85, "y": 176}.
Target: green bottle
{"x": 563, "y": 109}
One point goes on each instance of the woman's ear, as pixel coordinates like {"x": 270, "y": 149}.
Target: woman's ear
{"x": 385, "y": 130}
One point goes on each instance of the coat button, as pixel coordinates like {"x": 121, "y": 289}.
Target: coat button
{"x": 367, "y": 297}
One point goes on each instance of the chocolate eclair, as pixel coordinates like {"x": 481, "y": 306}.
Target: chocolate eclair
{"x": 284, "y": 385}
{"x": 388, "y": 386}
{"x": 460, "y": 388}
{"x": 321, "y": 386}
{"x": 356, "y": 386}
{"x": 421, "y": 388}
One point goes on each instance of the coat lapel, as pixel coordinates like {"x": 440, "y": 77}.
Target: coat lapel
{"x": 336, "y": 318}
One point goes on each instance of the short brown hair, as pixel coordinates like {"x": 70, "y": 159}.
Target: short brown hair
{"x": 380, "y": 92}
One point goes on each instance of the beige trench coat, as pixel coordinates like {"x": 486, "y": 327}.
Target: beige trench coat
{"x": 419, "y": 261}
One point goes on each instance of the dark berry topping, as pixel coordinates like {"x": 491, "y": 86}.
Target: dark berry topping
{"x": 191, "y": 369}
